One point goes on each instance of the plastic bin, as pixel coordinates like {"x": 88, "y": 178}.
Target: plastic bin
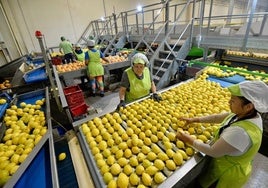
{"x": 56, "y": 60}
{"x": 36, "y": 76}
{"x": 79, "y": 111}
{"x": 71, "y": 89}
{"x": 75, "y": 98}
{"x": 3, "y": 107}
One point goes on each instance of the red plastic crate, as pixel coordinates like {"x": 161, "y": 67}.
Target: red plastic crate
{"x": 75, "y": 98}
{"x": 71, "y": 89}
{"x": 79, "y": 110}
{"x": 56, "y": 60}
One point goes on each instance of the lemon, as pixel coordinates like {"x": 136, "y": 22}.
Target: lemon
{"x": 151, "y": 170}
{"x": 203, "y": 138}
{"x": 134, "y": 179}
{"x": 159, "y": 177}
{"x": 159, "y": 164}
{"x": 177, "y": 158}
{"x": 184, "y": 155}
{"x": 122, "y": 161}
{"x": 127, "y": 169}
{"x": 189, "y": 151}
{"x": 151, "y": 156}
{"x": 127, "y": 153}
{"x": 139, "y": 169}
{"x": 122, "y": 180}
{"x": 62, "y": 156}
{"x": 105, "y": 168}
{"x": 170, "y": 164}
{"x": 107, "y": 177}
{"x": 146, "y": 179}
{"x": 133, "y": 161}
{"x": 180, "y": 144}
{"x": 110, "y": 160}
{"x": 112, "y": 184}
{"x": 115, "y": 169}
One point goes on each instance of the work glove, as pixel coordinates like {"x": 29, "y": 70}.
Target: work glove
{"x": 156, "y": 97}
{"x": 121, "y": 104}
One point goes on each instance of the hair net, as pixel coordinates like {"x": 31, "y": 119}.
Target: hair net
{"x": 254, "y": 91}
{"x": 78, "y": 46}
{"x": 140, "y": 58}
{"x": 91, "y": 43}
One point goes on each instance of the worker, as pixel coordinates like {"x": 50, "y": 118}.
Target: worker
{"x": 136, "y": 81}
{"x": 237, "y": 140}
{"x": 79, "y": 53}
{"x": 95, "y": 70}
{"x": 66, "y": 48}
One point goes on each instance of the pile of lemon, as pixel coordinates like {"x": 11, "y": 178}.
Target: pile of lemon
{"x": 138, "y": 145}
{"x": 25, "y": 127}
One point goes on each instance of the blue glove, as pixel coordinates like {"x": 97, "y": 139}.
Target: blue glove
{"x": 156, "y": 97}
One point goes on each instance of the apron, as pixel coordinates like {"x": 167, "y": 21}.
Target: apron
{"x": 94, "y": 67}
{"x": 138, "y": 87}
{"x": 233, "y": 171}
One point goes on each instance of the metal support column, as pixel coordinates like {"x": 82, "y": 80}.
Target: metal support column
{"x": 230, "y": 12}
{"x": 209, "y": 17}
{"x": 167, "y": 17}
{"x": 263, "y": 22}
{"x": 39, "y": 36}
{"x": 253, "y": 7}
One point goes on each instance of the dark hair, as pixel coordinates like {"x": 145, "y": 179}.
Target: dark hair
{"x": 244, "y": 100}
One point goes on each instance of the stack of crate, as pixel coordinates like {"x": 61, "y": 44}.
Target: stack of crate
{"x": 76, "y": 102}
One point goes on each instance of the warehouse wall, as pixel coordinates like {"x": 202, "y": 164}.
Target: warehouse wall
{"x": 54, "y": 19}
{"x": 69, "y": 18}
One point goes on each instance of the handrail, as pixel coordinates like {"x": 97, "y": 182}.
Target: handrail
{"x": 167, "y": 35}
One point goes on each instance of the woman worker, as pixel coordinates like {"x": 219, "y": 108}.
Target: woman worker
{"x": 136, "y": 81}
{"x": 79, "y": 53}
{"x": 238, "y": 139}
{"x": 95, "y": 69}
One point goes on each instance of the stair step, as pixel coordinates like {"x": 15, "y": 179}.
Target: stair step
{"x": 156, "y": 77}
{"x": 159, "y": 68}
{"x": 164, "y": 60}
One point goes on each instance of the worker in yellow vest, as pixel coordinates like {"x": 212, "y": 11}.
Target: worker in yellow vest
{"x": 79, "y": 53}
{"x": 137, "y": 81}
{"x": 95, "y": 70}
{"x": 237, "y": 141}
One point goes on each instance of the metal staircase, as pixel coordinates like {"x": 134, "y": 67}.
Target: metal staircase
{"x": 167, "y": 39}
{"x": 165, "y": 60}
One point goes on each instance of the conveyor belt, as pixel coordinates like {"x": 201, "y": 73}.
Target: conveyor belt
{"x": 221, "y": 82}
{"x": 66, "y": 173}
{"x": 38, "y": 173}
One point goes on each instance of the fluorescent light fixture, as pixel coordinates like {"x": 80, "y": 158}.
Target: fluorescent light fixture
{"x": 139, "y": 8}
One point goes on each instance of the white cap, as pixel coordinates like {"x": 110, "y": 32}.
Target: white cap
{"x": 91, "y": 43}
{"x": 78, "y": 46}
{"x": 254, "y": 91}
{"x": 140, "y": 58}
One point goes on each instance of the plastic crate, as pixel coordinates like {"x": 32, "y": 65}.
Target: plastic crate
{"x": 71, "y": 89}
{"x": 36, "y": 75}
{"x": 79, "y": 110}
{"x": 75, "y": 98}
{"x": 56, "y": 60}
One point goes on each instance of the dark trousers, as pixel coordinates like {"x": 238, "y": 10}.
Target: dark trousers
{"x": 68, "y": 58}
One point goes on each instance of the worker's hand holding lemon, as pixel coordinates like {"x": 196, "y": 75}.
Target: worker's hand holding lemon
{"x": 185, "y": 137}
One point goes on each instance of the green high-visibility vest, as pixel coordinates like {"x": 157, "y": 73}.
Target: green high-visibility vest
{"x": 138, "y": 87}
{"x": 233, "y": 171}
